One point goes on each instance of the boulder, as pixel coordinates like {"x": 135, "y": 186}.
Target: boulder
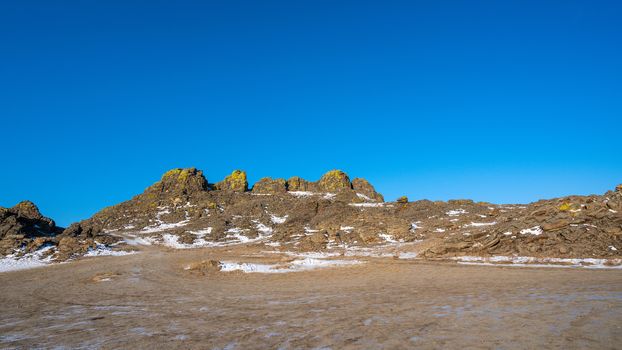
{"x": 363, "y": 187}
{"x": 334, "y": 181}
{"x": 180, "y": 181}
{"x": 236, "y": 182}
{"x": 296, "y": 183}
{"x": 268, "y": 185}
{"x": 402, "y": 199}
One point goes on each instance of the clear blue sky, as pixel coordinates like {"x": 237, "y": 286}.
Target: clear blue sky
{"x": 502, "y": 101}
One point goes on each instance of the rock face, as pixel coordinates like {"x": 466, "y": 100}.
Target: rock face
{"x": 363, "y": 187}
{"x": 180, "y": 181}
{"x": 23, "y": 226}
{"x": 268, "y": 185}
{"x": 236, "y": 182}
{"x": 334, "y": 181}
{"x": 332, "y": 213}
{"x": 296, "y": 183}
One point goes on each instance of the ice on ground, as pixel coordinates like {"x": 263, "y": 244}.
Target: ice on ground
{"x": 135, "y": 241}
{"x": 478, "y": 224}
{"x": 536, "y": 231}
{"x": 528, "y": 261}
{"x": 103, "y": 250}
{"x": 27, "y": 261}
{"x": 456, "y": 212}
{"x": 278, "y": 219}
{"x": 294, "y": 266}
{"x": 407, "y": 255}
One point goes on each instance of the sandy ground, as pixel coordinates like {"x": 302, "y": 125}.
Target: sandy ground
{"x": 148, "y": 300}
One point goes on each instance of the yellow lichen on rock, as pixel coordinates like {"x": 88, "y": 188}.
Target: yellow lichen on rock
{"x": 235, "y": 182}
{"x": 334, "y": 180}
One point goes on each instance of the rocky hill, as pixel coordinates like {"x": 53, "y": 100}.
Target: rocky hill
{"x": 183, "y": 210}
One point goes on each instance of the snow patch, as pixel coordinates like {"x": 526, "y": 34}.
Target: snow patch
{"x": 27, "y": 261}
{"x": 536, "y": 231}
{"x": 278, "y": 219}
{"x": 456, "y": 212}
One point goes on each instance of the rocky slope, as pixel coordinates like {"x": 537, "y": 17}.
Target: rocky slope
{"x": 23, "y": 231}
{"x": 184, "y": 210}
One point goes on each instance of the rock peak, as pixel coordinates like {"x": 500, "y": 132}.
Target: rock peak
{"x": 236, "y": 182}
{"x": 178, "y": 180}
{"x": 334, "y": 181}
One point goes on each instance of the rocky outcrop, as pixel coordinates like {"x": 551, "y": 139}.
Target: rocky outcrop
{"x": 236, "y": 182}
{"x": 23, "y": 226}
{"x": 180, "y": 181}
{"x": 296, "y": 183}
{"x": 334, "y": 181}
{"x": 268, "y": 185}
{"x": 363, "y": 187}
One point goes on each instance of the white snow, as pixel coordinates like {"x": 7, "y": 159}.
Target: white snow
{"x": 407, "y": 255}
{"x": 362, "y": 196}
{"x": 509, "y": 233}
{"x": 27, "y": 261}
{"x": 536, "y": 231}
{"x": 329, "y": 195}
{"x": 301, "y": 193}
{"x": 439, "y": 230}
{"x": 278, "y": 219}
{"x": 134, "y": 240}
{"x": 478, "y": 224}
{"x": 346, "y": 228}
{"x": 294, "y": 266}
{"x": 613, "y": 248}
{"x": 367, "y": 205}
{"x": 527, "y": 261}
{"x": 414, "y": 225}
{"x": 102, "y": 250}
{"x": 387, "y": 237}
{"x": 456, "y": 212}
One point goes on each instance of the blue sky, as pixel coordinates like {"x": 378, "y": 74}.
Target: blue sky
{"x": 501, "y": 101}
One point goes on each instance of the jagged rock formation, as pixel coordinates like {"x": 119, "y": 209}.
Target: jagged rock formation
{"x": 235, "y": 182}
{"x": 24, "y": 230}
{"x": 268, "y": 185}
{"x": 330, "y": 214}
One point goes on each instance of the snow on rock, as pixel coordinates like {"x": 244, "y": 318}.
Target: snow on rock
{"x": 536, "y": 231}
{"x": 387, "y": 237}
{"x": 301, "y": 193}
{"x": 367, "y": 205}
{"x": 278, "y": 219}
{"x": 456, "y": 212}
{"x": 478, "y": 224}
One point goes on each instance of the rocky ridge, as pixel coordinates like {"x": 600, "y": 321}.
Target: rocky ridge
{"x": 183, "y": 210}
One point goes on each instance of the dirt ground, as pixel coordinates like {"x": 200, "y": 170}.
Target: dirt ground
{"x": 148, "y": 300}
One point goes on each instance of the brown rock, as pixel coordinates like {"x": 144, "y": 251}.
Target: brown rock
{"x": 236, "y": 182}
{"x": 363, "y": 187}
{"x": 268, "y": 185}
{"x": 334, "y": 181}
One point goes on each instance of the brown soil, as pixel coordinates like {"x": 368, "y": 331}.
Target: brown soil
{"x": 149, "y": 300}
